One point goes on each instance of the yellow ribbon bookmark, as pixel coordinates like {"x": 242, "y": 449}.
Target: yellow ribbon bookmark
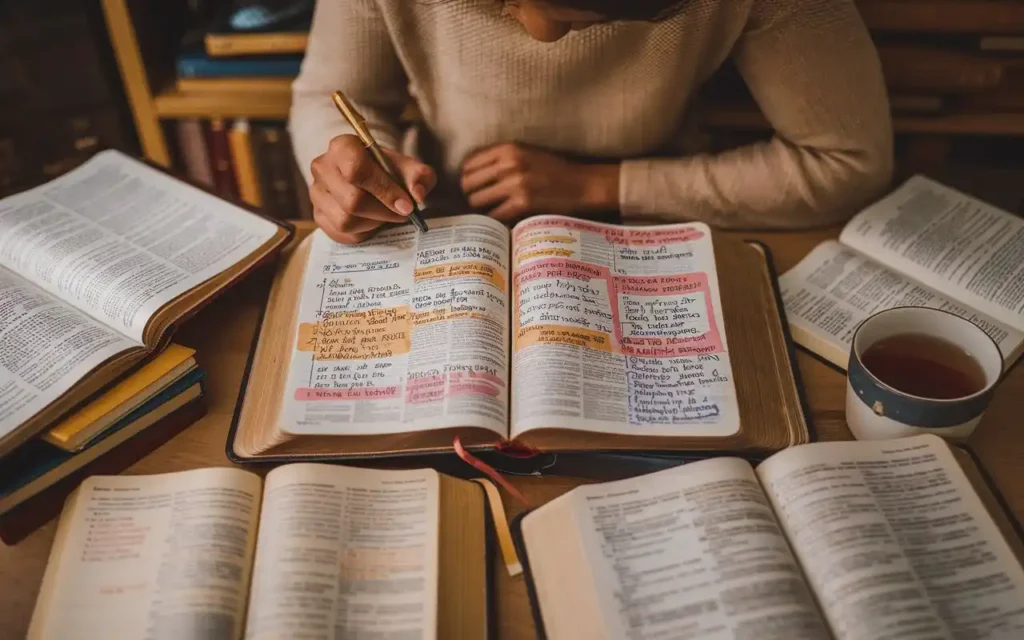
{"x": 501, "y": 530}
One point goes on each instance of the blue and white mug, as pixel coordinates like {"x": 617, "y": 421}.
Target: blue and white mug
{"x": 876, "y": 411}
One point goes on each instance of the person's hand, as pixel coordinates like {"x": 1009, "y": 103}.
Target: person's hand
{"x": 513, "y": 181}
{"x": 353, "y": 197}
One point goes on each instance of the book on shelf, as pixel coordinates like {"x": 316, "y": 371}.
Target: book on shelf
{"x": 154, "y": 430}
{"x": 284, "y": 191}
{"x": 353, "y": 552}
{"x": 193, "y": 149}
{"x": 224, "y": 180}
{"x": 81, "y": 427}
{"x": 559, "y": 335}
{"x": 1012, "y": 44}
{"x": 198, "y": 64}
{"x": 259, "y": 29}
{"x": 38, "y": 464}
{"x": 243, "y": 162}
{"x": 220, "y": 44}
{"x": 97, "y": 269}
{"x": 856, "y": 540}
{"x": 924, "y": 244}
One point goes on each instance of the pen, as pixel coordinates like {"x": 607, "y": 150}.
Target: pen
{"x": 359, "y": 124}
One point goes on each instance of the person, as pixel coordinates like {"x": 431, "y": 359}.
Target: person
{"x": 577, "y": 107}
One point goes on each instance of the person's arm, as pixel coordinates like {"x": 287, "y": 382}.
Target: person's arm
{"x": 349, "y": 50}
{"x": 813, "y": 70}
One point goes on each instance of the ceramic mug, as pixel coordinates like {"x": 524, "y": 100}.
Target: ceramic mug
{"x": 875, "y": 410}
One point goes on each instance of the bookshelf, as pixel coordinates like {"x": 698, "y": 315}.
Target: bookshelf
{"x": 156, "y": 98}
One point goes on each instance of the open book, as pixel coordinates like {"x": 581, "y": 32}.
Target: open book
{"x": 97, "y": 267}
{"x": 852, "y": 540}
{"x": 561, "y": 335}
{"x": 314, "y": 549}
{"x": 924, "y": 245}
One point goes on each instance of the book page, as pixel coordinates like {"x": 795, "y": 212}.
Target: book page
{"x": 46, "y": 347}
{"x": 165, "y": 556}
{"x": 119, "y": 239}
{"x": 404, "y": 332}
{"x": 346, "y": 553}
{"x": 833, "y": 289}
{"x": 895, "y": 541}
{"x": 619, "y": 330}
{"x": 953, "y": 243}
{"x": 689, "y": 552}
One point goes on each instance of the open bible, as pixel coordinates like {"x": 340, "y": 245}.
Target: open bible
{"x": 97, "y": 267}
{"x": 924, "y": 245}
{"x": 314, "y": 549}
{"x": 851, "y": 540}
{"x": 560, "y": 335}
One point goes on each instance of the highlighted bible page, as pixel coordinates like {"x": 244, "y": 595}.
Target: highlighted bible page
{"x": 619, "y": 330}
{"x": 405, "y": 332}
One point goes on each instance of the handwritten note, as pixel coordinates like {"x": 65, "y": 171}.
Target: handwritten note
{"x": 641, "y": 308}
{"x": 407, "y": 331}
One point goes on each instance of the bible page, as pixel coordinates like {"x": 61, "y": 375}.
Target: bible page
{"x": 346, "y": 553}
{"x": 619, "y": 330}
{"x": 119, "y": 239}
{"x": 689, "y": 552}
{"x": 407, "y": 331}
{"x": 164, "y": 556}
{"x": 46, "y": 346}
{"x": 833, "y": 289}
{"x": 895, "y": 542}
{"x": 956, "y": 244}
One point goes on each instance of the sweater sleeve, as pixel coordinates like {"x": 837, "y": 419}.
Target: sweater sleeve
{"x": 349, "y": 50}
{"x": 813, "y": 70}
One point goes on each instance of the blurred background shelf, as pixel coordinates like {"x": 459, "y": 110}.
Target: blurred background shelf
{"x": 245, "y": 99}
{"x": 954, "y": 70}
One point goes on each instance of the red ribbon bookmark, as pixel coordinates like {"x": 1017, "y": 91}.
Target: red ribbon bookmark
{"x": 490, "y": 472}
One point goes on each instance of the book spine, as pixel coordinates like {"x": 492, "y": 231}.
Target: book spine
{"x": 234, "y": 44}
{"x": 194, "y": 154}
{"x": 220, "y": 158}
{"x": 189, "y": 66}
{"x": 274, "y": 157}
{"x": 243, "y": 162}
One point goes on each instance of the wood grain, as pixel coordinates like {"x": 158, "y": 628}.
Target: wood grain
{"x": 222, "y": 335}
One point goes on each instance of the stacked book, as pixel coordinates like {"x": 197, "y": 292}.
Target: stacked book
{"x": 98, "y": 268}
{"x": 250, "y": 39}
{"x": 105, "y": 436}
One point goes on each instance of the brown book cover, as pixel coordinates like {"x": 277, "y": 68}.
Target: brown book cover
{"x": 274, "y": 160}
{"x": 19, "y": 523}
{"x": 194, "y": 154}
{"x": 220, "y": 158}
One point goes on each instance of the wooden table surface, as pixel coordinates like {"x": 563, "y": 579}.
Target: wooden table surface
{"x": 222, "y": 334}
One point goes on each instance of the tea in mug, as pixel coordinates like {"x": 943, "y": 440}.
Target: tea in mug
{"x": 924, "y": 366}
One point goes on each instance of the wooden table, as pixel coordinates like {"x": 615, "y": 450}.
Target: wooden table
{"x": 222, "y": 334}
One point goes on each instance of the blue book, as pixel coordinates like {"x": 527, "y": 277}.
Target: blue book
{"x": 197, "y": 64}
{"x": 38, "y": 464}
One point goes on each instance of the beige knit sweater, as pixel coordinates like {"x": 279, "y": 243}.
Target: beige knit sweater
{"x": 619, "y": 91}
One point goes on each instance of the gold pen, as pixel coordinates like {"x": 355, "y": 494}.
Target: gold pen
{"x": 359, "y": 124}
